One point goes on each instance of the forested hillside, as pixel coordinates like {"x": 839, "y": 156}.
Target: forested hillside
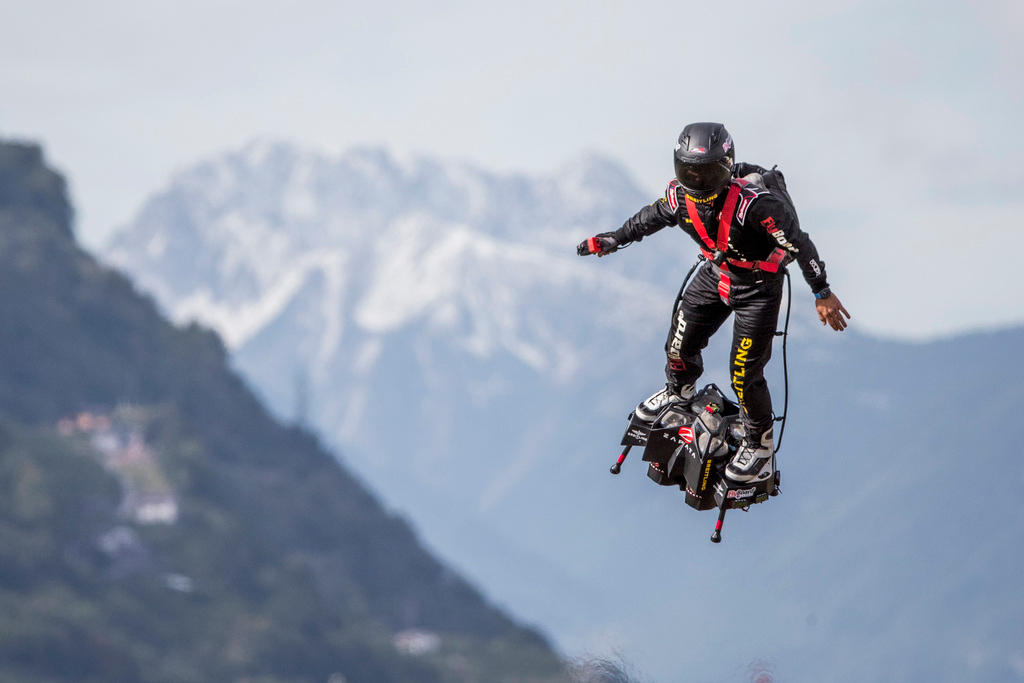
{"x": 158, "y": 525}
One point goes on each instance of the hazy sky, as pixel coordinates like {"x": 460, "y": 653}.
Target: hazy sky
{"x": 897, "y": 123}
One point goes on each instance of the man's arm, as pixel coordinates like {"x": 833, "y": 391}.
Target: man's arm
{"x": 644, "y": 222}
{"x": 777, "y": 217}
{"x": 647, "y": 221}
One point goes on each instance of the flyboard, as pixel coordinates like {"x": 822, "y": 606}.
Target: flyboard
{"x": 688, "y": 445}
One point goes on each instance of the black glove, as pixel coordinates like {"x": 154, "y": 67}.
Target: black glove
{"x": 604, "y": 243}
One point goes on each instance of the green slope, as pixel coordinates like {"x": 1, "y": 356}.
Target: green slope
{"x": 276, "y": 565}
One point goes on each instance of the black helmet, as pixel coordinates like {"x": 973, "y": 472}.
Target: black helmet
{"x": 704, "y": 159}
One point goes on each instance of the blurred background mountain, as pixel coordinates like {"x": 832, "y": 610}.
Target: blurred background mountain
{"x": 158, "y": 524}
{"x": 401, "y": 284}
{"x": 430, "y": 319}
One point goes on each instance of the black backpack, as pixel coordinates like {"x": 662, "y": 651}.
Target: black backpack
{"x": 772, "y": 179}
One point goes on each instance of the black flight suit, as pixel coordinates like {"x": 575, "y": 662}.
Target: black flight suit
{"x": 763, "y": 221}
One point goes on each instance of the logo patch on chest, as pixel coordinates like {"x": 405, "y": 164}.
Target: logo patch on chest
{"x": 741, "y": 210}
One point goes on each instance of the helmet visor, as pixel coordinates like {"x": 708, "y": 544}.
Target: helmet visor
{"x": 703, "y": 178}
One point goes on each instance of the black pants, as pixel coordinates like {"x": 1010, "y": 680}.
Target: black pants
{"x": 755, "y": 298}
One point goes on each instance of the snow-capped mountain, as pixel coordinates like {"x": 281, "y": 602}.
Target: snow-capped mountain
{"x": 231, "y": 240}
{"x": 432, "y": 320}
{"x": 362, "y": 280}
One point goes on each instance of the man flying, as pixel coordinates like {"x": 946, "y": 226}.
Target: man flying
{"x": 744, "y": 221}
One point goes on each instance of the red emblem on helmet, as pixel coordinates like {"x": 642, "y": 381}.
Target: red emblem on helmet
{"x": 699, "y": 150}
{"x": 687, "y": 434}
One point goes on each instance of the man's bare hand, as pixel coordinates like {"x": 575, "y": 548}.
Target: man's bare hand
{"x": 831, "y": 312}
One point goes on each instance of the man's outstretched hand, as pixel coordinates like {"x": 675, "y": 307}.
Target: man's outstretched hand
{"x": 602, "y": 244}
{"x": 831, "y": 312}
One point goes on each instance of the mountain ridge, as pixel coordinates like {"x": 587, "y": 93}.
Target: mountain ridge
{"x": 510, "y": 440}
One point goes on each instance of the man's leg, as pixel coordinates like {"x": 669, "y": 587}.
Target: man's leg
{"x": 699, "y": 315}
{"x": 757, "y": 315}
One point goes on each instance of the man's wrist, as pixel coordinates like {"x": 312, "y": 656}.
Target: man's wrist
{"x": 823, "y": 293}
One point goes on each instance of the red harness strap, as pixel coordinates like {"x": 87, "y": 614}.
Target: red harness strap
{"x": 724, "y": 284}
{"x": 722, "y": 243}
{"x": 724, "y": 220}
{"x": 771, "y": 265}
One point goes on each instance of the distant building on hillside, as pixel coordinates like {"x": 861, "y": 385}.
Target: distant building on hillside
{"x": 119, "y": 441}
{"x": 416, "y": 642}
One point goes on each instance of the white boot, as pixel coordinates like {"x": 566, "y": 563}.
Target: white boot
{"x": 754, "y": 461}
{"x": 652, "y": 407}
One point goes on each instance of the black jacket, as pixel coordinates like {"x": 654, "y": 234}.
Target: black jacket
{"x": 764, "y": 220}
